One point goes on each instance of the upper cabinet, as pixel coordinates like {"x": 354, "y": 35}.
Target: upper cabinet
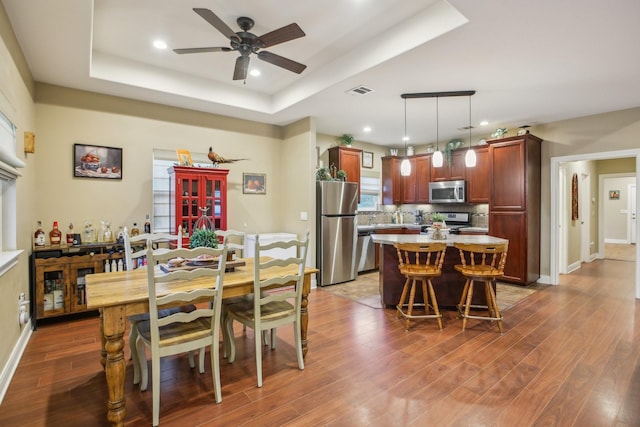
{"x": 347, "y": 159}
{"x": 413, "y": 189}
{"x": 478, "y": 179}
{"x": 453, "y": 171}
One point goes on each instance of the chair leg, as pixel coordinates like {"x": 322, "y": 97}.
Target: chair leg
{"x": 144, "y": 370}
{"x": 403, "y": 298}
{"x": 425, "y": 296}
{"x": 273, "y": 338}
{"x": 133, "y": 336}
{"x": 192, "y": 363}
{"x": 468, "y": 305}
{"x": 434, "y": 302}
{"x": 231, "y": 351}
{"x": 155, "y": 387}
{"x": 412, "y": 297}
{"x": 463, "y": 297}
{"x": 258, "y": 345}
{"x": 215, "y": 369}
{"x": 201, "y": 359}
{"x": 298, "y": 340}
{"x": 494, "y": 303}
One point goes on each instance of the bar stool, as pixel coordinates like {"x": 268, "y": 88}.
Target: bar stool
{"x": 483, "y": 263}
{"x": 419, "y": 262}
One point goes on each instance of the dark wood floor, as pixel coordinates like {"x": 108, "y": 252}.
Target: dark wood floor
{"x": 569, "y": 357}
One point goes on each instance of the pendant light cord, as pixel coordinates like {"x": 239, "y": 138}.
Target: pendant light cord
{"x": 437, "y": 123}
{"x": 405, "y": 127}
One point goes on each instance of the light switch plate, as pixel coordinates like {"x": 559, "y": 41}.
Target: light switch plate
{"x": 304, "y": 216}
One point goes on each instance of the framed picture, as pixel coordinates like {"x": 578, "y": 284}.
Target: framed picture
{"x": 184, "y": 158}
{"x": 367, "y": 159}
{"x": 254, "y": 183}
{"x": 614, "y": 194}
{"x": 95, "y": 161}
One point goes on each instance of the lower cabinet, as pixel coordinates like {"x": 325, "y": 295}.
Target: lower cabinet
{"x": 59, "y": 282}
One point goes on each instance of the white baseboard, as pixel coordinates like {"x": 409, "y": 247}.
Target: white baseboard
{"x": 545, "y": 280}
{"x": 12, "y": 364}
{"x": 618, "y": 241}
{"x": 573, "y": 267}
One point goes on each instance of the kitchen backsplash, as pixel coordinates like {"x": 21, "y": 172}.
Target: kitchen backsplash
{"x": 479, "y": 214}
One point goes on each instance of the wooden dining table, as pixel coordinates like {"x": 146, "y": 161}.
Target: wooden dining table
{"x": 118, "y": 295}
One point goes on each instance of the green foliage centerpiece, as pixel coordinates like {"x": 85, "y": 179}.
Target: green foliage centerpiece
{"x": 203, "y": 237}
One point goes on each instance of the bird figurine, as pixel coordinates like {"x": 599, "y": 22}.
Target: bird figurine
{"x": 217, "y": 158}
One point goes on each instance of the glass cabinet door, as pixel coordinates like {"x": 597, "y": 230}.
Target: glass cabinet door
{"x": 51, "y": 290}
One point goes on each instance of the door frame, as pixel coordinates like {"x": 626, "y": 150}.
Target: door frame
{"x": 584, "y": 190}
{"x": 554, "y": 204}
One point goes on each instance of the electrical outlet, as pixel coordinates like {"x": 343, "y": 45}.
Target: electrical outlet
{"x": 304, "y": 216}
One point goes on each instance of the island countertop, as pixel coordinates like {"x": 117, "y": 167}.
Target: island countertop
{"x": 390, "y": 239}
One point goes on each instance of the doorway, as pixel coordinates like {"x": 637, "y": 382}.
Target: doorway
{"x": 558, "y": 210}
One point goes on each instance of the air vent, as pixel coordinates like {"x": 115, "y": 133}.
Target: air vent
{"x": 360, "y": 90}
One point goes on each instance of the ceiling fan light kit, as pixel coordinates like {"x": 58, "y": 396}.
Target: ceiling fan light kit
{"x": 246, "y": 43}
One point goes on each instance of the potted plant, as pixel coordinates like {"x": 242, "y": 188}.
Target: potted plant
{"x": 203, "y": 237}
{"x": 346, "y": 139}
{"x": 341, "y": 175}
{"x": 437, "y": 220}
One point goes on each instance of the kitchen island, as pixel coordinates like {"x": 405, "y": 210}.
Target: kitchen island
{"x": 448, "y": 286}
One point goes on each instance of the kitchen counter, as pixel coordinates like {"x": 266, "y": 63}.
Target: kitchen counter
{"x": 448, "y": 286}
{"x": 390, "y": 239}
{"x": 373, "y": 227}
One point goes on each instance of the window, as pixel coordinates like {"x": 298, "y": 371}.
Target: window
{"x": 163, "y": 160}
{"x": 369, "y": 193}
{"x": 8, "y": 175}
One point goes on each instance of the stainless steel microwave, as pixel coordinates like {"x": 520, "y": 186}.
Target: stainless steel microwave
{"x": 447, "y": 192}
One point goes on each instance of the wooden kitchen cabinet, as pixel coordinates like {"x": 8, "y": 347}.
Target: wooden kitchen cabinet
{"x": 451, "y": 172}
{"x": 412, "y": 189}
{"x": 478, "y": 179}
{"x": 391, "y": 181}
{"x": 514, "y": 203}
{"x": 194, "y": 192}
{"x": 347, "y": 159}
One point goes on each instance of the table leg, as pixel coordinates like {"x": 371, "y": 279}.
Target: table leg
{"x": 304, "y": 313}
{"x": 103, "y": 341}
{"x": 113, "y": 324}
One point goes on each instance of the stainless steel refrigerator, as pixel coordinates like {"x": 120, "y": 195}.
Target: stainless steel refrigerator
{"x": 337, "y": 231}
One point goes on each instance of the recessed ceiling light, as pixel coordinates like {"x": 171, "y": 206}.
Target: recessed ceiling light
{"x": 255, "y": 72}
{"x": 484, "y": 123}
{"x": 366, "y": 129}
{"x": 159, "y": 44}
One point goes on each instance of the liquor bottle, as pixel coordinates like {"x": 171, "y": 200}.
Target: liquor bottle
{"x": 135, "y": 230}
{"x": 70, "y": 234}
{"x": 38, "y": 236}
{"x": 55, "y": 235}
{"x": 147, "y": 225}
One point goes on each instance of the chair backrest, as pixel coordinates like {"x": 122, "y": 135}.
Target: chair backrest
{"x": 287, "y": 284}
{"x": 233, "y": 239}
{"x": 146, "y": 241}
{"x": 157, "y": 276}
{"x": 428, "y": 257}
{"x": 489, "y": 258}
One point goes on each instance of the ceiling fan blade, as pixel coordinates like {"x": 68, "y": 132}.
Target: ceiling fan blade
{"x": 281, "y": 61}
{"x": 242, "y": 65}
{"x": 202, "y": 50}
{"x": 217, "y": 23}
{"x": 281, "y": 35}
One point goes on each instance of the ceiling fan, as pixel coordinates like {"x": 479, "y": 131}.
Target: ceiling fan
{"x": 247, "y": 43}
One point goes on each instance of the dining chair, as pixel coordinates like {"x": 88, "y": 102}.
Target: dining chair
{"x": 180, "y": 332}
{"x": 419, "y": 262}
{"x": 135, "y": 250}
{"x": 276, "y": 301}
{"x": 234, "y": 241}
{"x": 483, "y": 263}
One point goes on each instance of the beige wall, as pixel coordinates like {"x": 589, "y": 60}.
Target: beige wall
{"x": 599, "y": 133}
{"x": 17, "y": 104}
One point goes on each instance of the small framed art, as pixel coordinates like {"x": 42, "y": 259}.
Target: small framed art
{"x": 367, "y": 159}
{"x": 96, "y": 161}
{"x": 184, "y": 158}
{"x": 614, "y": 194}
{"x": 254, "y": 183}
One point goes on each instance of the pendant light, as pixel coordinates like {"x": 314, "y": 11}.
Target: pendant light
{"x": 405, "y": 165}
{"x": 470, "y": 157}
{"x": 437, "y": 159}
